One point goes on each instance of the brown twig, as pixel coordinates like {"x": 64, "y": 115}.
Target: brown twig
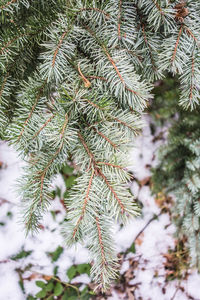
{"x": 158, "y": 7}
{"x": 192, "y": 35}
{"x": 177, "y": 42}
{"x": 100, "y": 241}
{"x": 109, "y": 164}
{"x": 43, "y": 126}
{"x": 117, "y": 71}
{"x": 112, "y": 190}
{"x": 9, "y": 43}
{"x": 148, "y": 223}
{"x": 87, "y": 83}
{"x": 104, "y": 137}
{"x": 99, "y": 172}
{"x": 149, "y": 46}
{"x": 84, "y": 204}
{"x": 174, "y": 295}
{"x": 58, "y": 47}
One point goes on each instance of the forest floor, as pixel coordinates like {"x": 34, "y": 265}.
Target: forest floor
{"x": 154, "y": 264}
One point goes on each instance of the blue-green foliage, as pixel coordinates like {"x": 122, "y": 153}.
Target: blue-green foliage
{"x": 75, "y": 77}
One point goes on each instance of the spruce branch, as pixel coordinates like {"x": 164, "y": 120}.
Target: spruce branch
{"x": 39, "y": 94}
{"x": 84, "y": 205}
{"x": 177, "y": 43}
{"x": 43, "y": 126}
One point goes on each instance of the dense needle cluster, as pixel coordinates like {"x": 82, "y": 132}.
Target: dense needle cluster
{"x": 75, "y": 77}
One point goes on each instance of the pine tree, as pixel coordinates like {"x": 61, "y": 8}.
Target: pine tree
{"x": 75, "y": 77}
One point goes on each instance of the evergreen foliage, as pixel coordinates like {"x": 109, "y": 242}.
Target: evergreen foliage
{"x": 74, "y": 79}
{"x": 178, "y": 171}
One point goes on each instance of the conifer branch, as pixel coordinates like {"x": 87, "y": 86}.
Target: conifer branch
{"x": 123, "y": 123}
{"x": 7, "y": 4}
{"x": 43, "y": 126}
{"x": 158, "y": 7}
{"x": 119, "y": 19}
{"x": 100, "y": 242}
{"x": 10, "y": 43}
{"x": 84, "y": 204}
{"x": 28, "y": 223}
{"x": 58, "y": 47}
{"x": 99, "y": 172}
{"x": 44, "y": 172}
{"x": 93, "y": 104}
{"x": 117, "y": 71}
{"x": 192, "y": 35}
{"x": 64, "y": 126}
{"x": 112, "y": 190}
{"x": 96, "y": 9}
{"x": 182, "y": 180}
{"x": 149, "y": 47}
{"x": 86, "y": 148}
{"x": 108, "y": 164}
{"x": 32, "y": 110}
{"x": 105, "y": 137}
{"x": 177, "y": 42}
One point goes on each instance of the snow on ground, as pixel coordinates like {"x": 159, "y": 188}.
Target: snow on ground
{"x": 155, "y": 240}
{"x": 12, "y": 235}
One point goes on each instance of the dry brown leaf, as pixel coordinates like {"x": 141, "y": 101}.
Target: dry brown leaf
{"x": 129, "y": 274}
{"x": 139, "y": 240}
{"x": 145, "y": 181}
{"x": 160, "y": 199}
{"x": 41, "y": 226}
{"x": 47, "y": 277}
{"x": 32, "y": 276}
